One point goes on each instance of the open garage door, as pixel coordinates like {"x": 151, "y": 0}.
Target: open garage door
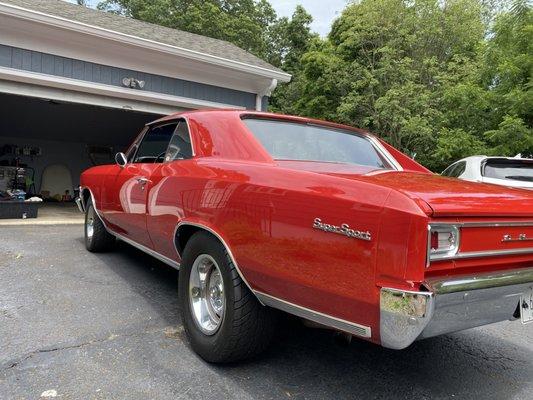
{"x": 53, "y": 139}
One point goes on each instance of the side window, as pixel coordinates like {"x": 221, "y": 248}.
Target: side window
{"x": 461, "y": 167}
{"x": 180, "y": 145}
{"x": 455, "y": 170}
{"x": 448, "y": 171}
{"x": 130, "y": 153}
{"x": 154, "y": 144}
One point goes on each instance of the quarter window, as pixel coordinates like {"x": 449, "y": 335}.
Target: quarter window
{"x": 153, "y": 146}
{"x": 455, "y": 170}
{"x": 180, "y": 145}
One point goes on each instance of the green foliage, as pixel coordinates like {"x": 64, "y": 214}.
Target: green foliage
{"x": 511, "y": 137}
{"x": 438, "y": 79}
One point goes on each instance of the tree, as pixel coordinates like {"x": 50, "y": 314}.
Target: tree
{"x": 249, "y": 24}
{"x": 291, "y": 40}
{"x": 437, "y": 79}
{"x": 245, "y": 23}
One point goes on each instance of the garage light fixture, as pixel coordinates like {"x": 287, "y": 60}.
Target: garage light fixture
{"x": 133, "y": 83}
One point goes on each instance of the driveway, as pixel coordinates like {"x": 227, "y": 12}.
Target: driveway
{"x": 76, "y": 325}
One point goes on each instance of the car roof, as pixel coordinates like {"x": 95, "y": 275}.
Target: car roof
{"x": 260, "y": 114}
{"x": 481, "y": 158}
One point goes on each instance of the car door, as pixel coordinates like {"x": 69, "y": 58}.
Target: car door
{"x": 128, "y": 189}
{"x": 169, "y": 183}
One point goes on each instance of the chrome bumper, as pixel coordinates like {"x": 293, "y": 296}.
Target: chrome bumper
{"x": 450, "y": 305}
{"x": 79, "y": 203}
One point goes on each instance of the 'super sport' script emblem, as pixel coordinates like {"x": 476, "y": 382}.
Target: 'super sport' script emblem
{"x": 344, "y": 229}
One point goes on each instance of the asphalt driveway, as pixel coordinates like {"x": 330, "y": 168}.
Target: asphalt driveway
{"x": 76, "y": 325}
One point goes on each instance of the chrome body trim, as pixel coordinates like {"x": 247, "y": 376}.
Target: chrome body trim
{"x": 428, "y": 246}
{"x": 133, "y": 243}
{"x": 478, "y": 254}
{"x": 485, "y": 224}
{"x": 486, "y": 253}
{"x": 453, "y": 251}
{"x": 450, "y": 305}
{"x": 167, "y": 121}
{"x": 146, "y": 250}
{"x": 315, "y": 316}
{"x": 384, "y": 153}
{"x": 219, "y": 237}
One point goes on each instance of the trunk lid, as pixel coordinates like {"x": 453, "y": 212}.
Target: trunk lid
{"x": 447, "y": 197}
{"x": 454, "y": 197}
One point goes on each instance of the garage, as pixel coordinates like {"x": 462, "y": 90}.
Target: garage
{"x": 66, "y": 105}
{"x": 46, "y": 144}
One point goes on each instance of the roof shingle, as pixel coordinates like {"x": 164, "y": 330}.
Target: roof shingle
{"x": 144, "y": 30}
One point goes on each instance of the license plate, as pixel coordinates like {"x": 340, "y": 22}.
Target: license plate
{"x": 526, "y": 306}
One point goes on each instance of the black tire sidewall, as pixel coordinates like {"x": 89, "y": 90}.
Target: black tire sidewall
{"x": 101, "y": 240}
{"x": 207, "y": 346}
{"x": 88, "y": 242}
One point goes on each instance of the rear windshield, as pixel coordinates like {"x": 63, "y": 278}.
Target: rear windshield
{"x": 298, "y": 141}
{"x": 518, "y": 170}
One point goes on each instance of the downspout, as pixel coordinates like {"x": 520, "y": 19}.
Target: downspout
{"x": 265, "y": 92}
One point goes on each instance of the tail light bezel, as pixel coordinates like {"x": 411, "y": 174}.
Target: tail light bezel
{"x": 446, "y": 252}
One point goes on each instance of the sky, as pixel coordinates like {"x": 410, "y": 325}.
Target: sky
{"x": 323, "y": 11}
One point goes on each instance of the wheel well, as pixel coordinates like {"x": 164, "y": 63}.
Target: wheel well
{"x": 184, "y": 233}
{"x": 85, "y": 195}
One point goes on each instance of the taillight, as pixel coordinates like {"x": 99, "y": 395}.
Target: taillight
{"x": 443, "y": 241}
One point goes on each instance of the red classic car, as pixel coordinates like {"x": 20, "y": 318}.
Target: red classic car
{"x": 323, "y": 221}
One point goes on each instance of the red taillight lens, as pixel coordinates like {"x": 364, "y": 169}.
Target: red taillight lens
{"x": 434, "y": 240}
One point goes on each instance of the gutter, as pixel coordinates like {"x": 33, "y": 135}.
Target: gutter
{"x": 265, "y": 92}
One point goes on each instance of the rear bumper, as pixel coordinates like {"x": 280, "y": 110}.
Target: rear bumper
{"x": 450, "y": 305}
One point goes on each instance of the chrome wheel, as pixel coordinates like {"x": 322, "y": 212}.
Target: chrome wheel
{"x": 206, "y": 294}
{"x": 89, "y": 223}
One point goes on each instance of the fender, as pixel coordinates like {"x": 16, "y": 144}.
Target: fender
{"x": 155, "y": 254}
{"x": 219, "y": 236}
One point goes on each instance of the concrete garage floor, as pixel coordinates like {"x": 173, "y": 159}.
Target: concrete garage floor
{"x": 107, "y": 326}
{"x": 50, "y": 214}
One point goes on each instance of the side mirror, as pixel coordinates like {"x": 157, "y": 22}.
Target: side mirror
{"x": 120, "y": 159}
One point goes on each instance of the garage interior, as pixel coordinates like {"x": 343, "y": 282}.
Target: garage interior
{"x": 46, "y": 144}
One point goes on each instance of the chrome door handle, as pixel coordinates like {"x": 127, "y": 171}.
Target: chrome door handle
{"x": 143, "y": 181}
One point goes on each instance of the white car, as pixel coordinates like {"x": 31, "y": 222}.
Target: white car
{"x": 505, "y": 171}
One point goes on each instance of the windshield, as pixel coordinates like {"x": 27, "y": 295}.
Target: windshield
{"x": 518, "y": 170}
{"x": 298, "y": 141}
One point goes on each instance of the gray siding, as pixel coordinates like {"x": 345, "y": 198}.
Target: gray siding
{"x": 35, "y": 61}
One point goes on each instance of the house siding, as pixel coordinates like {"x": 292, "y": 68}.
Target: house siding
{"x": 34, "y": 61}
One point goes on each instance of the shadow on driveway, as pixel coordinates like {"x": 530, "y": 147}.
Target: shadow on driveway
{"x": 493, "y": 362}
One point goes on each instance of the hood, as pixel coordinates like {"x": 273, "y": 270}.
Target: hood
{"x": 447, "y": 197}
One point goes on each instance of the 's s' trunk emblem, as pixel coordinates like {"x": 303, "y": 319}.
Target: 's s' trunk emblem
{"x": 344, "y": 229}
{"x": 521, "y": 238}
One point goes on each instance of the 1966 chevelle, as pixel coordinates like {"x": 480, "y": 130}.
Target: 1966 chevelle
{"x": 323, "y": 221}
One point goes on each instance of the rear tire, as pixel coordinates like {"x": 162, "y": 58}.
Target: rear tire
{"x": 97, "y": 238}
{"x": 223, "y": 320}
